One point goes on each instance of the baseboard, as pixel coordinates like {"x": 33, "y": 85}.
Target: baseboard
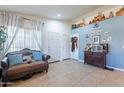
{"x": 73, "y": 59}
{"x": 115, "y": 68}
{"x": 66, "y": 59}
{"x": 81, "y": 61}
{"x": 53, "y": 62}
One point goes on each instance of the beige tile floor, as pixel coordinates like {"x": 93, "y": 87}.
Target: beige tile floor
{"x": 71, "y": 73}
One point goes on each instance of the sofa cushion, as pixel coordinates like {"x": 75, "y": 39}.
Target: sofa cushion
{"x": 18, "y": 69}
{"x": 37, "y": 55}
{"x": 15, "y": 59}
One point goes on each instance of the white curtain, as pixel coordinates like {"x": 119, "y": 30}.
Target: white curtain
{"x": 29, "y": 41}
{"x": 28, "y": 36}
{"x": 12, "y": 23}
{"x": 37, "y": 27}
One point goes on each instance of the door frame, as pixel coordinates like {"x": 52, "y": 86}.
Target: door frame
{"x": 64, "y": 34}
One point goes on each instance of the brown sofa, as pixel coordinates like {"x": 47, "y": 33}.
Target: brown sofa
{"x": 26, "y": 69}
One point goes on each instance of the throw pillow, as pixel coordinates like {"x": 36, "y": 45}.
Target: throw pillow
{"x": 15, "y": 59}
{"x": 37, "y": 55}
{"x": 27, "y": 57}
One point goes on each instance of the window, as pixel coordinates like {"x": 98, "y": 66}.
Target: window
{"x": 25, "y": 38}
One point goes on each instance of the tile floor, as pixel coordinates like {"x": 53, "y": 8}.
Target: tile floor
{"x": 71, "y": 73}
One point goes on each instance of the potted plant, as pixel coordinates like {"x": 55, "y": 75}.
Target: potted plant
{"x": 3, "y": 37}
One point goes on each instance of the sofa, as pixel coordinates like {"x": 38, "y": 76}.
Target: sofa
{"x": 25, "y": 69}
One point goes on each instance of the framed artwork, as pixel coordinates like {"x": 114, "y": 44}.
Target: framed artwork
{"x": 96, "y": 39}
{"x": 97, "y": 48}
{"x": 103, "y": 40}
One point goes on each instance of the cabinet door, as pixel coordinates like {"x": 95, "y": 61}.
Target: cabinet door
{"x": 88, "y": 58}
{"x": 99, "y": 60}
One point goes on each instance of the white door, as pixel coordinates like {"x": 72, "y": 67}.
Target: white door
{"x": 54, "y": 46}
{"x": 75, "y": 53}
{"x": 66, "y": 46}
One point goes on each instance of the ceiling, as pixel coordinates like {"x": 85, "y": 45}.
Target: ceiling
{"x": 68, "y": 12}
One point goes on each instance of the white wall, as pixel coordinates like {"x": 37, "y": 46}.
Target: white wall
{"x": 57, "y": 26}
{"x": 104, "y": 10}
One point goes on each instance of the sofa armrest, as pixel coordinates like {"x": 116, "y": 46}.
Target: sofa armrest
{"x": 46, "y": 58}
{"x": 4, "y": 65}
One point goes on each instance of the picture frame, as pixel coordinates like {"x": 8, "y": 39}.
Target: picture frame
{"x": 96, "y": 39}
{"x": 97, "y": 48}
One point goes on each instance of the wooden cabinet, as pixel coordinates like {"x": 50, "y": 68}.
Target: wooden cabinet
{"x": 95, "y": 58}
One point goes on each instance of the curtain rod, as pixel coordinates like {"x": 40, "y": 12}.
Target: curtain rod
{"x": 26, "y": 18}
{"x": 29, "y": 19}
